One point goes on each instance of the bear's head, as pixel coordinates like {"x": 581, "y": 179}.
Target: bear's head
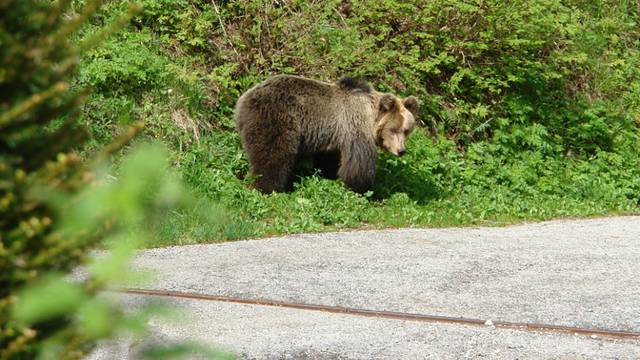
{"x": 395, "y": 122}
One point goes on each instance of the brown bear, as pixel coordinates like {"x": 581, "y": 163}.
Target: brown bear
{"x": 337, "y": 124}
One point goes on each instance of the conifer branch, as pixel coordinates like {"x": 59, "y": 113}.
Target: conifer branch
{"x": 10, "y": 115}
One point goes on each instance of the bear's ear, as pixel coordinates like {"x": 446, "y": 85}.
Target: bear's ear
{"x": 411, "y": 103}
{"x": 388, "y": 103}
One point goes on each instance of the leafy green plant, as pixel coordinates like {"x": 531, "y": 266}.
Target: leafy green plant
{"x": 56, "y": 207}
{"x": 125, "y": 66}
{"x": 529, "y": 108}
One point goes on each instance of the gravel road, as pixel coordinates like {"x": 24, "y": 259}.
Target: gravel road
{"x": 581, "y": 273}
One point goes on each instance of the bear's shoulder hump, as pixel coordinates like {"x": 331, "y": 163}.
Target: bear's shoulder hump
{"x": 354, "y": 84}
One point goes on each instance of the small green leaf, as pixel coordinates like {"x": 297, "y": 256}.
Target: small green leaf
{"x": 50, "y": 297}
{"x": 95, "y": 318}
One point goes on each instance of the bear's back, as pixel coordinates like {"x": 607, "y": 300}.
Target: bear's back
{"x": 286, "y": 95}
{"x": 323, "y": 113}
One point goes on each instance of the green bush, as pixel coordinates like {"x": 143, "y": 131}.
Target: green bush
{"x": 37, "y": 134}
{"x": 529, "y": 108}
{"x": 476, "y": 63}
{"x": 56, "y": 207}
{"x": 123, "y": 66}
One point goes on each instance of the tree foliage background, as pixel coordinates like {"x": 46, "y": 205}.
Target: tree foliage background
{"x": 530, "y": 108}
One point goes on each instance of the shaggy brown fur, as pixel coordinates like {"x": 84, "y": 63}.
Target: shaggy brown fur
{"x": 339, "y": 124}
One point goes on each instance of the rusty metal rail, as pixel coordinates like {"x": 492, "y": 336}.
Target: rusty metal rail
{"x": 532, "y": 327}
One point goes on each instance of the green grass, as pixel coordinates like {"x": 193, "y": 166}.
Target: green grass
{"x": 433, "y": 185}
{"x": 534, "y": 119}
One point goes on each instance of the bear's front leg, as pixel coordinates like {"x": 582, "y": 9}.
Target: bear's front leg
{"x": 358, "y": 165}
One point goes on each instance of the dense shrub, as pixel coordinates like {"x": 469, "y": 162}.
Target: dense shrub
{"x": 36, "y": 164}
{"x": 530, "y": 107}
{"x": 479, "y": 66}
{"x": 55, "y": 206}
